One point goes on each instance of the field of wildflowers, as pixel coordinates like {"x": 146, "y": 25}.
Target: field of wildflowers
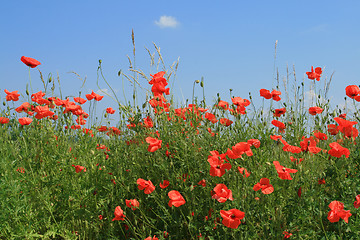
{"x": 227, "y": 171}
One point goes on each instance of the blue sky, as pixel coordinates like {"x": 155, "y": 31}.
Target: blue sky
{"x": 229, "y": 43}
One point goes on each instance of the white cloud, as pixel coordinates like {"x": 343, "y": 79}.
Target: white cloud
{"x": 167, "y": 22}
{"x": 102, "y": 91}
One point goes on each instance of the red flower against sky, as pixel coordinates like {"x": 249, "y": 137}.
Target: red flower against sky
{"x": 79, "y": 168}
{"x": 12, "y": 96}
{"x": 132, "y": 203}
{"x": 23, "y": 107}
{"x": 147, "y": 186}
{"x": 337, "y": 211}
{"x": 80, "y": 100}
{"x": 110, "y": 110}
{"x": 4, "y": 120}
{"x": 155, "y": 144}
{"x": 279, "y": 124}
{"x": 352, "y": 91}
{"x": 224, "y": 105}
{"x": 30, "y": 61}
{"x": 357, "y": 202}
{"x": 159, "y": 83}
{"x": 221, "y": 193}
{"x": 279, "y": 112}
{"x": 232, "y": 217}
{"x": 119, "y": 214}
{"x": 25, "y": 121}
{"x": 238, "y": 101}
{"x": 176, "y": 199}
{"x": 217, "y": 166}
{"x": 337, "y": 150}
{"x": 283, "y": 172}
{"x": 314, "y": 74}
{"x": 93, "y": 95}
{"x": 164, "y": 184}
{"x": 264, "y": 185}
{"x": 315, "y": 110}
{"x": 275, "y": 95}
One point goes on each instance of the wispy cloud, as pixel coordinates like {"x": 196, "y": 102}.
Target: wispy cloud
{"x": 320, "y": 28}
{"x": 167, "y": 22}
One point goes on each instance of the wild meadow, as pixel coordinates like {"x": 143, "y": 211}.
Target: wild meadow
{"x": 205, "y": 170}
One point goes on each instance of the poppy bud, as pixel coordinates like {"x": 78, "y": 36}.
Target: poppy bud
{"x": 105, "y": 115}
{"x": 202, "y": 83}
{"x": 119, "y": 73}
{"x": 50, "y": 79}
{"x": 27, "y": 92}
{"x": 197, "y": 81}
{"x": 100, "y": 61}
{"x": 4, "y": 103}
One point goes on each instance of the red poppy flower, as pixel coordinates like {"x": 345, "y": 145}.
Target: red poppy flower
{"x": 148, "y": 122}
{"x": 346, "y": 127}
{"x": 357, "y": 202}
{"x": 4, "y": 120}
{"x": 151, "y": 238}
{"x": 254, "y": 142}
{"x": 224, "y": 105}
{"x": 287, "y": 234}
{"x": 30, "y": 61}
{"x": 321, "y": 181}
{"x": 79, "y": 168}
{"x": 211, "y": 117}
{"x": 265, "y": 93}
{"x": 314, "y": 74}
{"x": 275, "y": 95}
{"x": 176, "y": 199}
{"x": 93, "y": 95}
{"x": 23, "y": 107}
{"x": 21, "y": 170}
{"x": 164, "y": 184}
{"x": 319, "y": 135}
{"x": 279, "y": 112}
{"x": 283, "y": 172}
{"x": 337, "y": 212}
{"x": 119, "y": 214}
{"x": 279, "y": 124}
{"x": 333, "y": 129}
{"x": 337, "y": 150}
{"x": 217, "y": 167}
{"x": 239, "y": 149}
{"x": 238, "y": 101}
{"x": 202, "y": 182}
{"x": 232, "y": 217}
{"x": 226, "y": 122}
{"x": 315, "y": 110}
{"x": 12, "y": 96}
{"x": 264, "y": 185}
{"x": 147, "y": 186}
{"x": 221, "y": 193}
{"x": 110, "y": 110}
{"x": 25, "y": 121}
{"x": 352, "y": 91}
{"x": 242, "y": 170}
{"x": 80, "y": 100}
{"x": 155, "y": 144}
{"x": 132, "y": 203}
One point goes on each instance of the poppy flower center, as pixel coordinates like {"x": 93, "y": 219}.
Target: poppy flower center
{"x": 232, "y": 216}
